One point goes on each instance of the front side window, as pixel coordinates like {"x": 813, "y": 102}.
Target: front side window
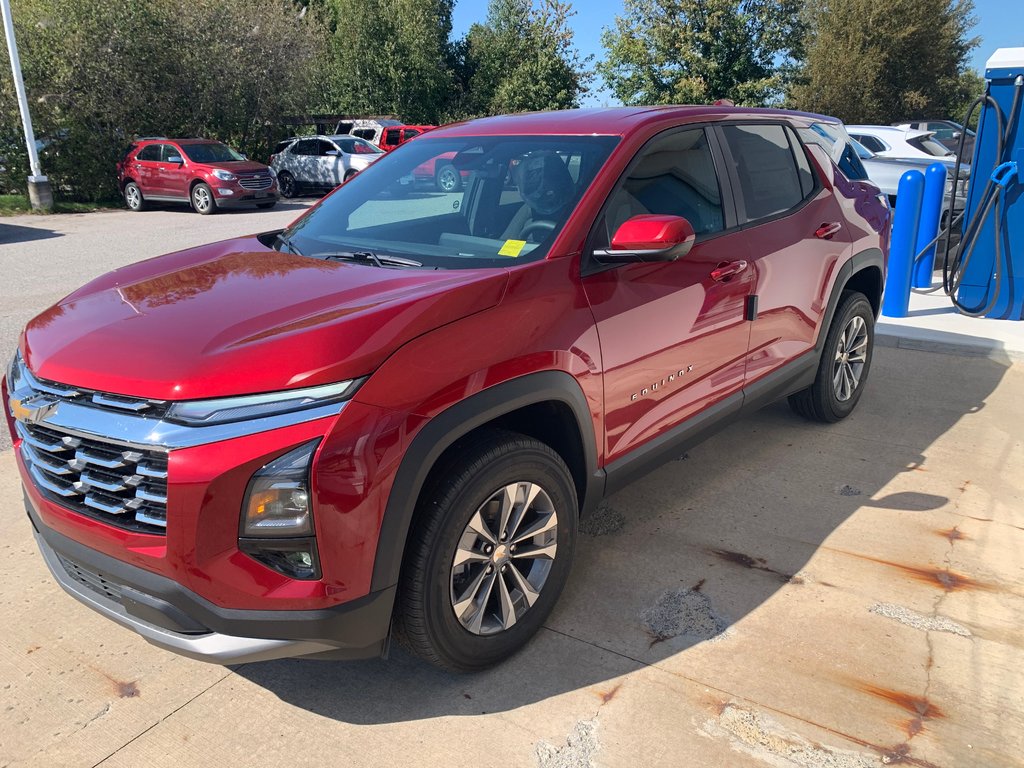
{"x": 169, "y": 151}
{"x": 409, "y": 133}
{"x": 304, "y": 147}
{"x": 355, "y": 146}
{"x": 391, "y": 138}
{"x": 673, "y": 175}
{"x": 213, "y": 152}
{"x": 512, "y": 197}
{"x": 151, "y": 153}
{"x": 766, "y": 169}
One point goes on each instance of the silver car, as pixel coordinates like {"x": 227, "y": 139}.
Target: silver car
{"x": 320, "y": 163}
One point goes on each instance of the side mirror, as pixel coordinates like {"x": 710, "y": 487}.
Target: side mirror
{"x": 649, "y": 237}
{"x": 176, "y": 159}
{"x": 956, "y": 134}
{"x": 332, "y": 153}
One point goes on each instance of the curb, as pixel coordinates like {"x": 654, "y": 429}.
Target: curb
{"x": 926, "y": 340}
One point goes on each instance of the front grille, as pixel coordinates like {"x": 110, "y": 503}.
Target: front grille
{"x": 255, "y": 182}
{"x": 93, "y": 581}
{"x": 125, "y": 487}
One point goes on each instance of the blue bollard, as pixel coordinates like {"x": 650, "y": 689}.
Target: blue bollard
{"x": 931, "y": 216}
{"x": 896, "y": 299}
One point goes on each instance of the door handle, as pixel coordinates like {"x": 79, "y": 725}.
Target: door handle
{"x": 825, "y": 231}
{"x": 727, "y": 269}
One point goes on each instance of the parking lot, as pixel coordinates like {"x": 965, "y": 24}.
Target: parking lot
{"x": 784, "y": 594}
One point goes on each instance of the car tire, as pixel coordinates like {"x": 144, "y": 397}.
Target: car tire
{"x": 350, "y": 174}
{"x": 447, "y": 179}
{"x": 439, "y": 617}
{"x": 844, "y": 365}
{"x": 287, "y": 184}
{"x": 133, "y": 197}
{"x": 202, "y": 199}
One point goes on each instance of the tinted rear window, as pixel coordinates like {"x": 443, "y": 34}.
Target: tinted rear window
{"x": 766, "y": 167}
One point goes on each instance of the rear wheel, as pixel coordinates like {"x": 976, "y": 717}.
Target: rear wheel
{"x": 133, "y": 197}
{"x": 844, "y": 365}
{"x": 202, "y": 199}
{"x": 489, "y": 552}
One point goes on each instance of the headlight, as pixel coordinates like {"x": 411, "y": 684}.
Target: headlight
{"x": 277, "y": 500}
{"x": 224, "y": 175}
{"x": 221, "y": 410}
{"x": 277, "y": 520}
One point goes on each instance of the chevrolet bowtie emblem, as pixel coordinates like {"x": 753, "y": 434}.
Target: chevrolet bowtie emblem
{"x": 31, "y": 409}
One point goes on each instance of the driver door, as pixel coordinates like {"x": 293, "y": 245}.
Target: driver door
{"x": 673, "y": 334}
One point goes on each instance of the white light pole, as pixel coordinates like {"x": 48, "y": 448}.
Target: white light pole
{"x": 39, "y": 192}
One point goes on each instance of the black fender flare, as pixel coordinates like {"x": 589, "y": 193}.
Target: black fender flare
{"x": 872, "y": 257}
{"x": 458, "y": 420}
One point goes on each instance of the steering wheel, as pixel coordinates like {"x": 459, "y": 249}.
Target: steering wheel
{"x": 540, "y": 224}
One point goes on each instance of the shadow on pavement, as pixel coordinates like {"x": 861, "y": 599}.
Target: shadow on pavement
{"x": 13, "y": 233}
{"x": 687, "y": 552}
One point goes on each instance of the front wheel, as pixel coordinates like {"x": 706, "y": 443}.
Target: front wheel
{"x": 844, "y": 365}
{"x": 489, "y": 553}
{"x": 286, "y": 182}
{"x": 202, "y": 199}
{"x": 447, "y": 179}
{"x": 350, "y": 174}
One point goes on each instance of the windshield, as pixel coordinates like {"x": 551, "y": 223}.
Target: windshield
{"x": 357, "y": 147}
{"x": 862, "y": 152}
{"x": 460, "y": 202}
{"x": 214, "y": 152}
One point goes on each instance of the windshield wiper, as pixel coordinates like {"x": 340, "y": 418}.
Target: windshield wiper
{"x": 283, "y": 239}
{"x": 380, "y": 260}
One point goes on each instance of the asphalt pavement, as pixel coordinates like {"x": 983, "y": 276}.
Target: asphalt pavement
{"x": 785, "y": 594}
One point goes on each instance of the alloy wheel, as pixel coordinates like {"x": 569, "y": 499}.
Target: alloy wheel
{"x": 132, "y": 196}
{"x": 851, "y": 356}
{"x": 201, "y": 199}
{"x": 503, "y": 558}
{"x": 448, "y": 179}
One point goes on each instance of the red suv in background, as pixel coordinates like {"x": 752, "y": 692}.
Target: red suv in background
{"x": 391, "y": 415}
{"x": 204, "y": 174}
{"x": 394, "y": 136}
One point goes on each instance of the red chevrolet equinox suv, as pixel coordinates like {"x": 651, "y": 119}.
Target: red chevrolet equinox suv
{"x": 389, "y": 417}
{"x": 205, "y": 174}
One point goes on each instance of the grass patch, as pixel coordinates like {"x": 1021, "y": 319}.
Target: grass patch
{"x": 15, "y": 205}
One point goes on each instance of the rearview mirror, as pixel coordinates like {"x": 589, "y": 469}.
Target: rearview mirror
{"x": 649, "y": 237}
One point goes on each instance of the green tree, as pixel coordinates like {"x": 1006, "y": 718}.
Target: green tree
{"x": 522, "y": 58}
{"x": 877, "y": 63}
{"x": 390, "y": 57}
{"x": 696, "y": 51}
{"x": 101, "y": 72}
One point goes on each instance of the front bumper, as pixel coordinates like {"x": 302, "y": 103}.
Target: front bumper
{"x": 172, "y": 617}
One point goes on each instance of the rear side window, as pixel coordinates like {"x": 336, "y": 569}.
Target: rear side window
{"x": 928, "y": 145}
{"x": 282, "y": 146}
{"x": 875, "y": 145}
{"x": 391, "y": 138}
{"x": 150, "y": 152}
{"x": 364, "y": 133}
{"x": 304, "y": 147}
{"x": 803, "y": 165}
{"x": 766, "y": 168}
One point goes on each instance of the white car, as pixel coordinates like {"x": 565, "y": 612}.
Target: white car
{"x": 896, "y": 141}
{"x": 320, "y": 163}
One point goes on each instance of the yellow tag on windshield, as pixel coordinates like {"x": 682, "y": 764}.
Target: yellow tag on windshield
{"x": 512, "y": 248}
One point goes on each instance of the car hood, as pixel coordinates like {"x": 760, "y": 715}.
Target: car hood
{"x": 237, "y": 317}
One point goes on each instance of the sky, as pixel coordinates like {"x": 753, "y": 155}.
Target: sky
{"x": 999, "y": 26}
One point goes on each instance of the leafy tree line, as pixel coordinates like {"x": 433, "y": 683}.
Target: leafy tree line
{"x": 100, "y": 72}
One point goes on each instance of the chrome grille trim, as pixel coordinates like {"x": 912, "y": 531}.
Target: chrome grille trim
{"x": 97, "y": 479}
{"x": 255, "y": 182}
{"x": 102, "y": 400}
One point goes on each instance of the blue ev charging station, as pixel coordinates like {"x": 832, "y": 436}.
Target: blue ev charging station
{"x": 985, "y": 275}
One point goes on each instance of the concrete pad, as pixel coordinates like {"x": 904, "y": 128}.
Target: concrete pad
{"x": 786, "y": 595}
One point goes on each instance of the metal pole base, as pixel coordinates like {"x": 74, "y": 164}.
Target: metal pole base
{"x": 40, "y": 195}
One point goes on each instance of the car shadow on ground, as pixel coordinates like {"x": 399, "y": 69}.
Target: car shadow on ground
{"x": 681, "y": 556}
{"x": 13, "y": 233}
